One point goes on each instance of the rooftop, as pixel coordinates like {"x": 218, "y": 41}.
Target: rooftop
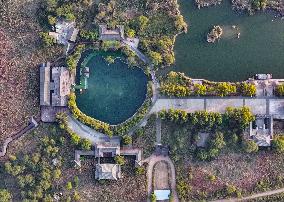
{"x": 108, "y": 171}
{"x": 111, "y": 34}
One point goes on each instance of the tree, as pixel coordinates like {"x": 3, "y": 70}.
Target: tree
{"x": 126, "y": 139}
{"x": 56, "y": 174}
{"x": 218, "y": 141}
{"x": 69, "y": 186}
{"x": 119, "y": 160}
{"x": 169, "y": 58}
{"x": 5, "y": 195}
{"x": 110, "y": 59}
{"x": 51, "y": 20}
{"x": 278, "y": 143}
{"x": 250, "y": 146}
{"x": 86, "y": 144}
{"x": 130, "y": 33}
{"x": 180, "y": 23}
{"x": 51, "y": 5}
{"x": 238, "y": 117}
{"x": 142, "y": 22}
{"x": 155, "y": 57}
{"x": 47, "y": 40}
{"x": 75, "y": 139}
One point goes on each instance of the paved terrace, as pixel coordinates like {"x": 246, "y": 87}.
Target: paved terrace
{"x": 259, "y": 106}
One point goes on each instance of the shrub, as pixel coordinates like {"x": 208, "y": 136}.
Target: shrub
{"x": 247, "y": 89}
{"x": 5, "y": 195}
{"x": 119, "y": 160}
{"x": 51, "y": 20}
{"x": 200, "y": 89}
{"x": 89, "y": 35}
{"x": 278, "y": 144}
{"x": 76, "y": 196}
{"x": 225, "y": 89}
{"x": 239, "y": 117}
{"x": 280, "y": 90}
{"x": 127, "y": 139}
{"x": 140, "y": 170}
{"x": 110, "y": 45}
{"x": 86, "y": 144}
{"x": 230, "y": 190}
{"x": 76, "y": 181}
{"x": 69, "y": 186}
{"x": 250, "y": 146}
{"x": 46, "y": 39}
{"x": 153, "y": 197}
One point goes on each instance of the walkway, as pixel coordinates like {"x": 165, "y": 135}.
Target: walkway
{"x": 84, "y": 131}
{"x": 267, "y": 193}
{"x": 259, "y": 106}
{"x": 32, "y": 124}
{"x": 158, "y": 130}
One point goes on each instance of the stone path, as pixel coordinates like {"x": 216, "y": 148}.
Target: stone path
{"x": 267, "y": 193}
{"x": 259, "y": 106}
{"x": 158, "y": 130}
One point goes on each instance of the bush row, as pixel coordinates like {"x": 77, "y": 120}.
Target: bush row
{"x": 93, "y": 123}
{"x": 178, "y": 85}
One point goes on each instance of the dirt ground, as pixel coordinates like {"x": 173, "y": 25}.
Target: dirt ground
{"x": 161, "y": 176}
{"x": 19, "y": 94}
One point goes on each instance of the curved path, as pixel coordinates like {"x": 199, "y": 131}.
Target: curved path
{"x": 152, "y": 160}
{"x": 267, "y": 193}
{"x": 84, "y": 131}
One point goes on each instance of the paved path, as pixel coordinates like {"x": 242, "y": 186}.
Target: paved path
{"x": 158, "y": 130}
{"x": 259, "y": 106}
{"x": 267, "y": 193}
{"x": 84, "y": 131}
{"x": 152, "y": 160}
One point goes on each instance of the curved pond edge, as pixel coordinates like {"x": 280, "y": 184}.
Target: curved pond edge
{"x": 118, "y": 129}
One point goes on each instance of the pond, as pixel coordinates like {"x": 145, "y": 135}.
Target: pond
{"x": 260, "y": 48}
{"x": 114, "y": 92}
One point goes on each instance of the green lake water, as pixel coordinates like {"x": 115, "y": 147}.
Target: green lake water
{"x": 260, "y": 48}
{"x": 114, "y": 91}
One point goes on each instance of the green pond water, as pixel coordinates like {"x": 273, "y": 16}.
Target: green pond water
{"x": 260, "y": 48}
{"x": 115, "y": 91}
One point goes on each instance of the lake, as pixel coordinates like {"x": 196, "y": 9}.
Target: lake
{"x": 260, "y": 48}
